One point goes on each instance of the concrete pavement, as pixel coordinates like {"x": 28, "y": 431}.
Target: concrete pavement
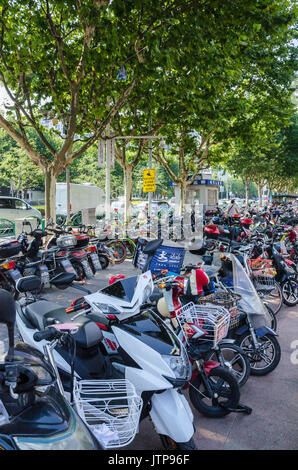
{"x": 273, "y": 423}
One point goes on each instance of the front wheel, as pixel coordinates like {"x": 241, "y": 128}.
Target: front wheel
{"x": 289, "y": 289}
{"x": 170, "y": 444}
{"x": 265, "y": 356}
{"x": 224, "y": 394}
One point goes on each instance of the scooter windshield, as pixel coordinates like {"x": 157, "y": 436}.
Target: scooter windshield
{"x": 250, "y": 301}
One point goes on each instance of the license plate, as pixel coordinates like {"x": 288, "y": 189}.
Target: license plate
{"x": 15, "y": 274}
{"x": 96, "y": 262}
{"x": 87, "y": 269}
{"x": 68, "y": 266}
{"x": 45, "y": 276}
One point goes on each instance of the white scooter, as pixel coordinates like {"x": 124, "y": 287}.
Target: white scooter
{"x": 140, "y": 345}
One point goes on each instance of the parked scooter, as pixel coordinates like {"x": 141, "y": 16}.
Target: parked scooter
{"x": 252, "y": 331}
{"x": 34, "y": 415}
{"x": 140, "y": 346}
{"x": 72, "y": 246}
{"x": 179, "y": 291}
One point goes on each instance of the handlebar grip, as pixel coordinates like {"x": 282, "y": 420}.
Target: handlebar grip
{"x": 48, "y": 334}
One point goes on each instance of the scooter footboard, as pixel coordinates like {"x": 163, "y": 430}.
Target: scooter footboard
{"x": 172, "y": 416}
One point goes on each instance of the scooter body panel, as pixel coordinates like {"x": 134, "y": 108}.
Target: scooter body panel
{"x": 168, "y": 409}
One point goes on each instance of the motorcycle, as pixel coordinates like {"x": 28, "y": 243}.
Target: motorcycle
{"x": 34, "y": 414}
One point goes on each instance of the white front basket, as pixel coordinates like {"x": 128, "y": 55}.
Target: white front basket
{"x": 111, "y": 409}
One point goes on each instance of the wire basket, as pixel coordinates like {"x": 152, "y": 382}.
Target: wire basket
{"x": 235, "y": 317}
{"x": 211, "y": 323}
{"x": 111, "y": 409}
{"x": 264, "y": 284}
{"x": 223, "y": 299}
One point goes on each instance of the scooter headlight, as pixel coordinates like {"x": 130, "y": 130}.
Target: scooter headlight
{"x": 106, "y": 308}
{"x": 180, "y": 365}
{"x": 146, "y": 294}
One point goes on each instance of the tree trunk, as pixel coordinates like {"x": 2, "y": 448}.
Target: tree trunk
{"x": 127, "y": 193}
{"x": 50, "y": 195}
{"x": 260, "y": 194}
{"x": 183, "y": 187}
{"x": 246, "y": 184}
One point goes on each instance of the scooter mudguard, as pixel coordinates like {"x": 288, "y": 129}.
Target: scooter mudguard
{"x": 264, "y": 330}
{"x": 172, "y": 416}
{"x": 260, "y": 332}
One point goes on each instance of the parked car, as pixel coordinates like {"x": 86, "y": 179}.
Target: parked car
{"x": 13, "y": 208}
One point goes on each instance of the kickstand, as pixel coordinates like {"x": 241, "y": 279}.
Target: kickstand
{"x": 240, "y": 409}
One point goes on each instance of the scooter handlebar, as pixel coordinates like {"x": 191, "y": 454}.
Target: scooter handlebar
{"x": 48, "y": 334}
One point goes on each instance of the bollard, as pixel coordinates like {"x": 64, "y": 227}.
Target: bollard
{"x": 116, "y": 218}
{"x": 159, "y": 224}
{"x": 171, "y": 226}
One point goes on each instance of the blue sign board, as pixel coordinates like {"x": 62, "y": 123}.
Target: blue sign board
{"x": 168, "y": 257}
{"x": 205, "y": 182}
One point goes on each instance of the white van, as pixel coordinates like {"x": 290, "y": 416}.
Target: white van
{"x": 82, "y": 196}
{"x": 13, "y": 208}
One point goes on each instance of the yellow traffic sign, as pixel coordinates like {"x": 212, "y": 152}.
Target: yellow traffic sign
{"x": 149, "y": 181}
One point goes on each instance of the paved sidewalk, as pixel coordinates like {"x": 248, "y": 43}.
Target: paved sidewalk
{"x": 273, "y": 423}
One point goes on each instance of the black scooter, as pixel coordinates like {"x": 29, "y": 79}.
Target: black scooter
{"x": 34, "y": 415}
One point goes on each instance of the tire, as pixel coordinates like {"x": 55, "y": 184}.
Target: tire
{"x": 289, "y": 289}
{"x": 119, "y": 251}
{"x": 274, "y": 299}
{"x": 104, "y": 261}
{"x": 238, "y": 362}
{"x": 273, "y": 319}
{"x": 169, "y": 444}
{"x": 272, "y": 346}
{"x": 81, "y": 276}
{"x": 223, "y": 381}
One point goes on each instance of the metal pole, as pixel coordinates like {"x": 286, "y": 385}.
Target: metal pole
{"x": 108, "y": 174}
{"x": 68, "y": 194}
{"x": 150, "y": 166}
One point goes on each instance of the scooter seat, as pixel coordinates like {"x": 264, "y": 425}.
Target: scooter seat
{"x": 152, "y": 246}
{"x": 41, "y": 314}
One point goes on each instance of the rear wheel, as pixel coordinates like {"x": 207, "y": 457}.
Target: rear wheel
{"x": 272, "y": 316}
{"x": 235, "y": 361}
{"x": 130, "y": 248}
{"x": 274, "y": 298}
{"x": 80, "y": 273}
{"x": 119, "y": 250}
{"x": 104, "y": 261}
